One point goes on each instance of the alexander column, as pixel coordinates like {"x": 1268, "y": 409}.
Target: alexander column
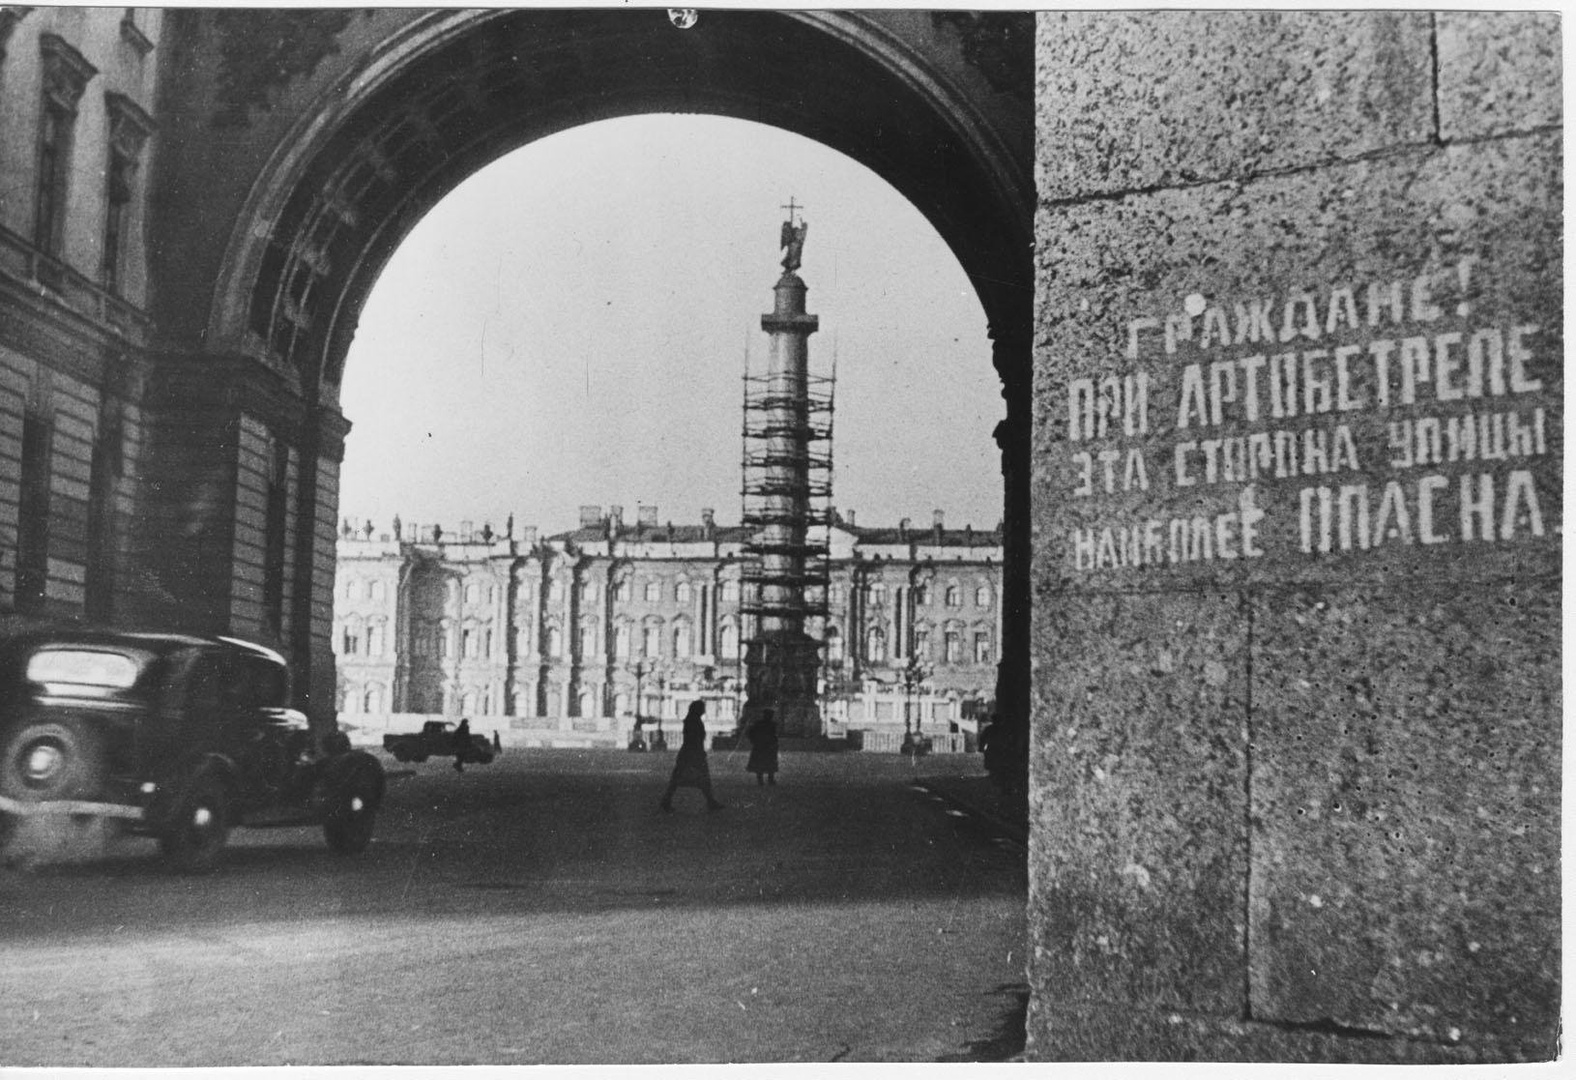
{"x": 787, "y": 487}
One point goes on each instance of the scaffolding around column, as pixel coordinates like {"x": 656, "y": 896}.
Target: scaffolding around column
{"x": 787, "y": 491}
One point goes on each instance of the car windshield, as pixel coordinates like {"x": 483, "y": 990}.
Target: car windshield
{"x": 82, "y": 667}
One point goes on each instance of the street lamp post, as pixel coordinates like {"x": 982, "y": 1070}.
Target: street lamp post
{"x": 661, "y": 741}
{"x": 914, "y": 675}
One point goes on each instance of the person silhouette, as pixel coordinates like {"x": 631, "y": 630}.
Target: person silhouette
{"x": 689, "y": 767}
{"x": 460, "y": 741}
{"x": 763, "y": 749}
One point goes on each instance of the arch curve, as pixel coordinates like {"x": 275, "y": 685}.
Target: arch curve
{"x": 455, "y": 90}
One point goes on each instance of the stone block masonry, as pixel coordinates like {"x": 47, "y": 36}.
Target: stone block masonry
{"x": 1297, "y": 496}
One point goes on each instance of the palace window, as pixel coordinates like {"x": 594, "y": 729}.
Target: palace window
{"x": 621, "y": 590}
{"x": 730, "y": 591}
{"x": 921, "y": 595}
{"x": 555, "y": 642}
{"x": 922, "y": 643}
{"x": 681, "y": 641}
{"x": 954, "y": 646}
{"x": 129, "y": 128}
{"x": 982, "y": 647}
{"x": 653, "y": 592}
{"x": 982, "y": 596}
{"x": 66, "y": 75}
{"x": 729, "y": 645}
{"x": 374, "y": 641}
{"x": 588, "y": 641}
{"x": 834, "y": 645}
{"x": 954, "y": 596}
{"x": 621, "y": 642}
{"x": 588, "y": 592}
{"x": 350, "y": 641}
{"x": 681, "y": 592}
{"x": 651, "y": 643}
{"x": 875, "y": 645}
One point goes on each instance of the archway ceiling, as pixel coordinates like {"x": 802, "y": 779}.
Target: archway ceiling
{"x": 521, "y": 75}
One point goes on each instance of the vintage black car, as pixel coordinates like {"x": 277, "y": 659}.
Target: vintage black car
{"x": 178, "y": 737}
{"x": 435, "y": 739}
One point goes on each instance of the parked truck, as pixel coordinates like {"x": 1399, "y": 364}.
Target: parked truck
{"x": 436, "y": 739}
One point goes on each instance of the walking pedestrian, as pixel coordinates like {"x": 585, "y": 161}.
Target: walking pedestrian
{"x": 689, "y": 767}
{"x": 460, "y": 741}
{"x": 763, "y": 750}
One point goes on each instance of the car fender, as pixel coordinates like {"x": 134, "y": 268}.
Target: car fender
{"x": 189, "y": 773}
{"x": 339, "y": 768}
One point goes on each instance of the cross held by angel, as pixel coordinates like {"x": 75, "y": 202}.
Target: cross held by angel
{"x": 793, "y": 238}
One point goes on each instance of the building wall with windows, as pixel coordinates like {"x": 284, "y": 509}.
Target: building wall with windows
{"x": 76, "y": 100}
{"x": 619, "y": 619}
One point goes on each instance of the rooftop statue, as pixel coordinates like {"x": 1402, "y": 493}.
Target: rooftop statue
{"x": 793, "y": 241}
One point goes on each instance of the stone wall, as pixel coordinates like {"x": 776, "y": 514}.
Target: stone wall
{"x": 1297, "y": 516}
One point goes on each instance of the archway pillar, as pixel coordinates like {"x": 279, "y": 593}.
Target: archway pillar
{"x": 1296, "y": 721}
{"x": 236, "y": 524}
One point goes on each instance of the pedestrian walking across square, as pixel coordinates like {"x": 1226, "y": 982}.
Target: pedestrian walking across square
{"x": 690, "y": 768}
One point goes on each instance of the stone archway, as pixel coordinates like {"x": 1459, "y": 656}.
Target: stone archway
{"x": 452, "y": 91}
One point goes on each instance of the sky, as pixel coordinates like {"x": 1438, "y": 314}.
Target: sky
{"x": 570, "y": 326}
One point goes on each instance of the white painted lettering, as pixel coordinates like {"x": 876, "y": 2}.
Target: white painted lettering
{"x": 1194, "y": 401}
{"x": 1222, "y": 388}
{"x": 1316, "y": 386}
{"x": 1344, "y": 401}
{"x": 1343, "y": 307}
{"x": 1393, "y": 521}
{"x": 1080, "y": 410}
{"x": 1085, "y": 486}
{"x": 1352, "y": 503}
{"x": 1380, "y": 350}
{"x": 1477, "y": 510}
{"x": 1414, "y": 367}
{"x": 1445, "y": 366}
{"x": 1519, "y": 354}
{"x": 1425, "y": 508}
{"x": 1519, "y": 490}
{"x": 1253, "y": 322}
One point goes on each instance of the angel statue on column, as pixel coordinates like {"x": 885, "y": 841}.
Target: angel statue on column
{"x": 793, "y": 241}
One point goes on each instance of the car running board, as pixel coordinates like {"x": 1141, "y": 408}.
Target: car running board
{"x": 69, "y": 806}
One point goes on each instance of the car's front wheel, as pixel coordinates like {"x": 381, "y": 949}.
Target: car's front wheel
{"x": 350, "y": 809}
{"x": 45, "y": 761}
{"x": 198, "y": 826}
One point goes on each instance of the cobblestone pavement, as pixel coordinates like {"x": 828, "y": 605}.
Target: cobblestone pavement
{"x": 543, "y": 910}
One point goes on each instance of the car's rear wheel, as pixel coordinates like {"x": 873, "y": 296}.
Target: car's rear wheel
{"x": 350, "y": 809}
{"x": 46, "y": 761}
{"x": 400, "y": 753}
{"x": 198, "y": 826}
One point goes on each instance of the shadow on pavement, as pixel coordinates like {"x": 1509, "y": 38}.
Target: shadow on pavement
{"x": 563, "y": 832}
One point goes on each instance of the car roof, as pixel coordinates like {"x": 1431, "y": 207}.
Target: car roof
{"x": 155, "y": 642}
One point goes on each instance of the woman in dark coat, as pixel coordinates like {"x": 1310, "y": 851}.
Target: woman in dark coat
{"x": 763, "y": 749}
{"x": 690, "y": 768}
